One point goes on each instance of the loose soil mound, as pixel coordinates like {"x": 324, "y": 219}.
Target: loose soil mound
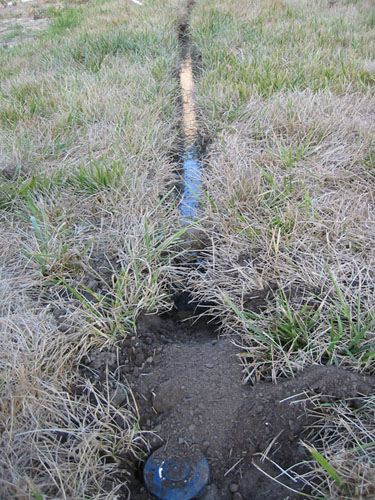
{"x": 187, "y": 386}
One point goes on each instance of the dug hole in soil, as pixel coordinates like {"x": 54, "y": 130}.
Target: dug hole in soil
{"x": 187, "y": 382}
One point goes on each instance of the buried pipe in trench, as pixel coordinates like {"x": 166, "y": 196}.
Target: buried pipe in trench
{"x": 191, "y": 170}
{"x": 172, "y": 474}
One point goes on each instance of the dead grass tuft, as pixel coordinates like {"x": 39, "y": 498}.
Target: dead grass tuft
{"x": 290, "y": 192}
{"x": 88, "y": 121}
{"x": 346, "y": 439}
{"x": 55, "y": 442}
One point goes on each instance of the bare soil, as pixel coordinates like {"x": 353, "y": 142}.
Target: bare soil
{"x": 187, "y": 383}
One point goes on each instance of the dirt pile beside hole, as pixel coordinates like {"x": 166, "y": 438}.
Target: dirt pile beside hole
{"x": 187, "y": 384}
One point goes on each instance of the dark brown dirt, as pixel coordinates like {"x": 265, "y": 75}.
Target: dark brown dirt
{"x": 187, "y": 383}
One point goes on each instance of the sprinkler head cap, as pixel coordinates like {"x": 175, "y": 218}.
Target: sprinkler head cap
{"x": 176, "y": 474}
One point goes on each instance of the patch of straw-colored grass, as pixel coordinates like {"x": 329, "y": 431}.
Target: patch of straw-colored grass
{"x": 88, "y": 124}
{"x": 344, "y": 451}
{"x": 290, "y": 218}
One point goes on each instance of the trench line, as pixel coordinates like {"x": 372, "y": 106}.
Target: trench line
{"x": 190, "y": 129}
{"x": 192, "y": 178}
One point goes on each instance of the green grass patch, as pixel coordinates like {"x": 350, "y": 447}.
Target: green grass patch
{"x": 68, "y": 17}
{"x": 272, "y": 47}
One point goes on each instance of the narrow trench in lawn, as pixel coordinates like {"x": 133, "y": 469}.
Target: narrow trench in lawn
{"x": 191, "y": 168}
{"x": 206, "y": 430}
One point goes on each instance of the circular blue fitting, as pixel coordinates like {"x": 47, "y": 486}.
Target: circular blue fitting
{"x": 172, "y": 476}
{"x": 176, "y": 470}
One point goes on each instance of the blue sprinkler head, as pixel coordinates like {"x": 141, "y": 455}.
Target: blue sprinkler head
{"x": 173, "y": 476}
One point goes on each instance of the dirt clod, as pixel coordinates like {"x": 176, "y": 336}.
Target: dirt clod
{"x": 211, "y": 493}
{"x": 233, "y": 487}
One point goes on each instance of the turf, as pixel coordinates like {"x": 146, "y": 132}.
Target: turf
{"x": 286, "y": 93}
{"x": 90, "y": 121}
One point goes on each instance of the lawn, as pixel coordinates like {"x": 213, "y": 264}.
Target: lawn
{"x": 91, "y": 237}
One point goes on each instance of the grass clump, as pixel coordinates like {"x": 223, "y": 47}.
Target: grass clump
{"x": 88, "y": 118}
{"x": 344, "y": 461}
{"x": 68, "y": 17}
{"x": 286, "y": 94}
{"x": 264, "y": 48}
{"x": 290, "y": 204}
{"x": 96, "y": 177}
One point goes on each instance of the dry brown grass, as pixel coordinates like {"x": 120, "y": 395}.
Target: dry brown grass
{"x": 289, "y": 197}
{"x": 287, "y": 93}
{"x": 346, "y": 438}
{"x": 54, "y": 442}
{"x": 291, "y": 191}
{"x": 88, "y": 120}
